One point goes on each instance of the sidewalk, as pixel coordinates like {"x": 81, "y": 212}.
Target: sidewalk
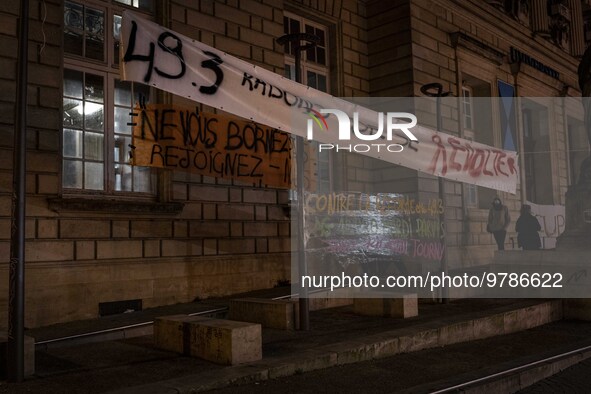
{"x": 337, "y": 337}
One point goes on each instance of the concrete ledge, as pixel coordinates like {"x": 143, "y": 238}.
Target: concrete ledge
{"x": 317, "y": 304}
{"x": 403, "y": 306}
{"x": 173, "y": 333}
{"x": 226, "y": 342}
{"x": 279, "y": 314}
{"x": 385, "y": 344}
{"x": 29, "y": 355}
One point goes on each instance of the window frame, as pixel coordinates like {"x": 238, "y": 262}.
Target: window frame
{"x": 109, "y": 70}
{"x": 470, "y": 103}
{"x": 539, "y": 183}
{"x": 319, "y": 69}
{"x": 575, "y": 127}
{"x": 104, "y": 131}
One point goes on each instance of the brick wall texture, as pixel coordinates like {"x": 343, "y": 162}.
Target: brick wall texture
{"x": 231, "y": 237}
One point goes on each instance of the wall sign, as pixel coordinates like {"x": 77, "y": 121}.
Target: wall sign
{"x": 178, "y": 138}
{"x": 517, "y": 56}
{"x": 162, "y": 58}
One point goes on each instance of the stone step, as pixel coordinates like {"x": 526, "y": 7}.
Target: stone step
{"x": 401, "y": 305}
{"x": 279, "y": 314}
{"x": 221, "y": 341}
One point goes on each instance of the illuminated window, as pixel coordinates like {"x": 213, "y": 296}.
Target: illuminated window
{"x": 146, "y": 5}
{"x": 83, "y": 130}
{"x": 96, "y": 136}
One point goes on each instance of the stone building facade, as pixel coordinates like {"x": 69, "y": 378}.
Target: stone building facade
{"x": 99, "y": 232}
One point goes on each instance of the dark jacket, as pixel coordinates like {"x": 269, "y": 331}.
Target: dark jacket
{"x": 527, "y": 228}
{"x": 498, "y": 219}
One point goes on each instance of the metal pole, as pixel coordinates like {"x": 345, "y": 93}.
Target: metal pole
{"x": 441, "y": 187}
{"x": 296, "y": 40}
{"x": 16, "y": 294}
{"x": 302, "y": 264}
{"x": 436, "y": 90}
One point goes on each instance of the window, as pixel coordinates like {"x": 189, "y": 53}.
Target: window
{"x": 296, "y": 24}
{"x": 126, "y": 177}
{"x": 467, "y": 107}
{"x": 478, "y": 126}
{"x": 314, "y": 73}
{"x": 470, "y": 195}
{"x": 536, "y": 153}
{"x": 578, "y": 148}
{"x": 83, "y": 130}
{"x": 96, "y": 136}
{"x": 146, "y": 5}
{"x": 314, "y": 61}
{"x": 84, "y": 31}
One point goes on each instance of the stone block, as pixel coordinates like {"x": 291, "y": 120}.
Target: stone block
{"x": 263, "y": 229}
{"x": 205, "y": 22}
{"x": 119, "y": 249}
{"x": 254, "y": 37}
{"x": 226, "y": 342}
{"x": 49, "y": 250}
{"x": 29, "y": 355}
{"x": 77, "y": 228}
{"x": 47, "y": 183}
{"x": 208, "y": 193}
{"x": 210, "y": 247}
{"x": 236, "y": 229}
{"x": 235, "y": 212}
{"x": 120, "y": 229}
{"x": 279, "y": 244}
{"x": 204, "y": 229}
{"x": 232, "y": 246}
{"x": 173, "y": 333}
{"x": 173, "y": 247}
{"x": 331, "y": 299}
{"x": 260, "y": 196}
{"x": 260, "y": 212}
{"x": 261, "y": 245}
{"x": 396, "y": 305}
{"x": 232, "y": 14}
{"x": 47, "y": 228}
{"x": 84, "y": 250}
{"x": 151, "y": 229}
{"x": 230, "y": 45}
{"x": 317, "y": 303}
{"x": 280, "y": 314}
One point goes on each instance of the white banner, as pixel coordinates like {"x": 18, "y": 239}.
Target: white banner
{"x": 159, "y": 57}
{"x": 552, "y": 221}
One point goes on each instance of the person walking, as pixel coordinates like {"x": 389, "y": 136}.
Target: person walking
{"x": 527, "y": 227}
{"x": 498, "y": 222}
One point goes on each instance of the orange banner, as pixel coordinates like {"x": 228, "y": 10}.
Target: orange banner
{"x": 184, "y": 139}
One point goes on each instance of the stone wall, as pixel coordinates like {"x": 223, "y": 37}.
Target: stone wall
{"x": 438, "y": 58}
{"x": 208, "y": 237}
{"x": 204, "y": 237}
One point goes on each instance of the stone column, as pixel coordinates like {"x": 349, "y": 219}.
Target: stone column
{"x": 540, "y": 21}
{"x": 577, "y": 45}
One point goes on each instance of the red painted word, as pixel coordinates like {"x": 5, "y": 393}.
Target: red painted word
{"x": 476, "y": 162}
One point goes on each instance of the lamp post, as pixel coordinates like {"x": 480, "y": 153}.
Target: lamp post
{"x": 310, "y": 41}
{"x": 15, "y": 349}
{"x": 436, "y": 90}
